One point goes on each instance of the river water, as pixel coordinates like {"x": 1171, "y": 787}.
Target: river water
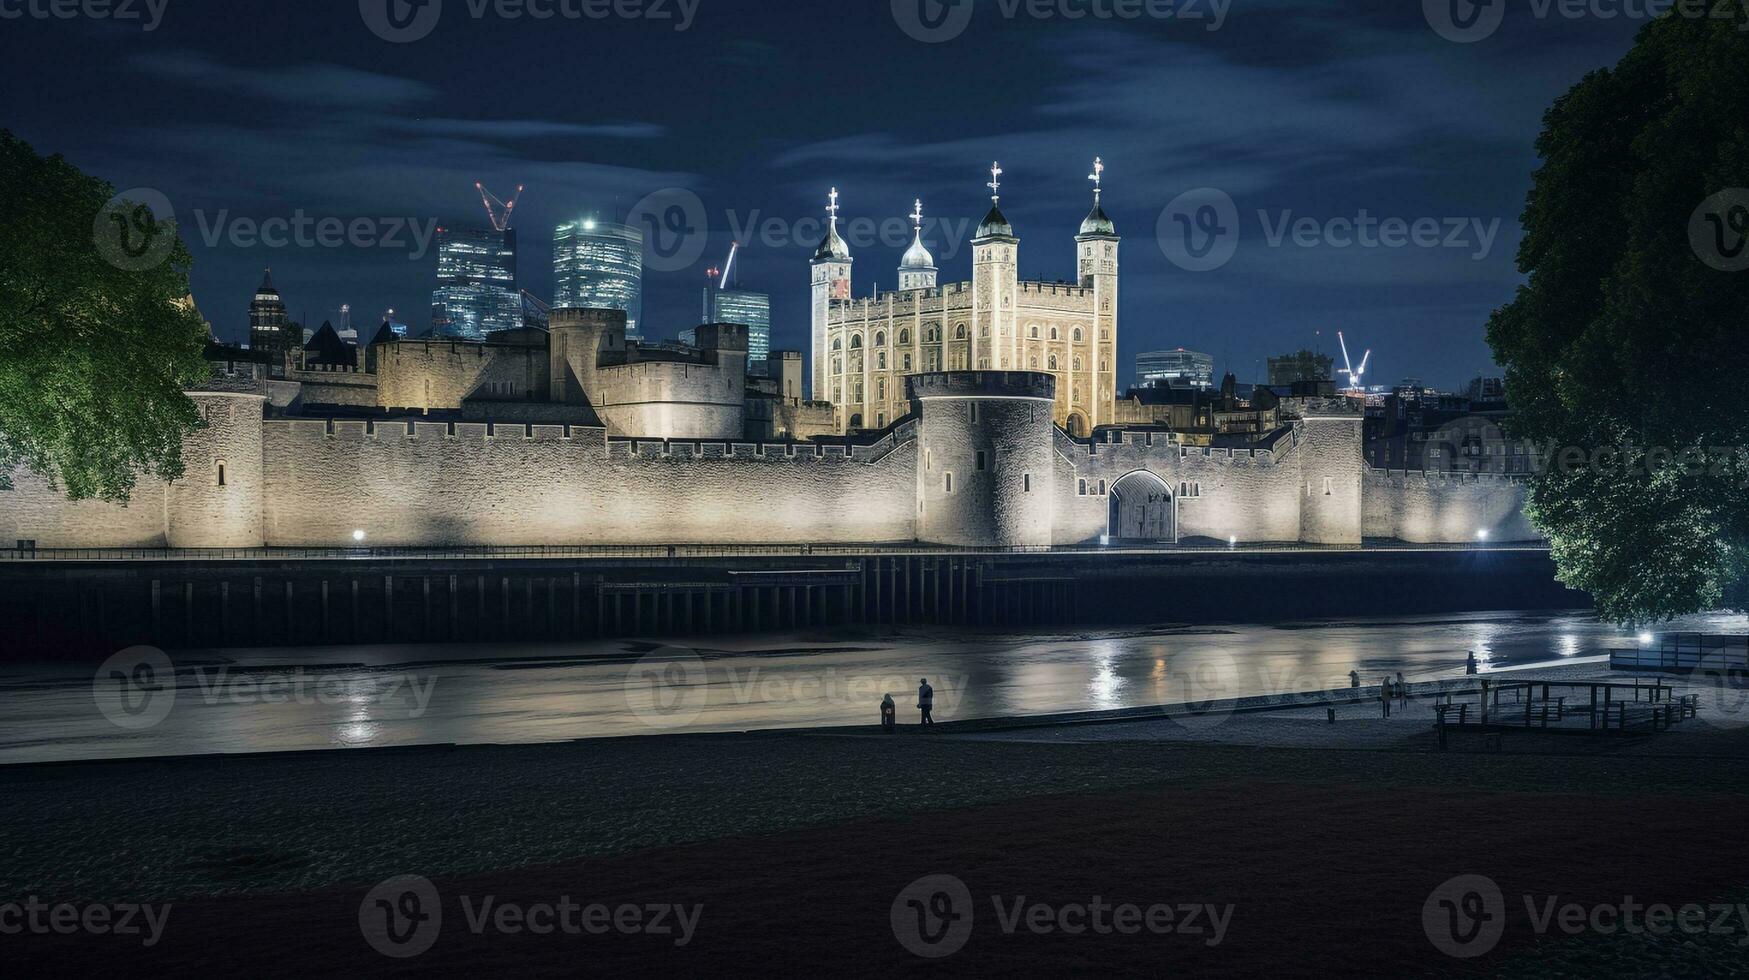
{"x": 142, "y": 703}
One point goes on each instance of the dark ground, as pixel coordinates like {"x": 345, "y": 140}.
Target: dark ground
{"x": 797, "y": 845}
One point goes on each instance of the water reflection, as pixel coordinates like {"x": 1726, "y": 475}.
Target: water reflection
{"x": 233, "y": 700}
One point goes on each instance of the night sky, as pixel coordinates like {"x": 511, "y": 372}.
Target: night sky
{"x": 255, "y": 110}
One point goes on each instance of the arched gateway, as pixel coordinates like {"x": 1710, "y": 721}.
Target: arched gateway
{"x": 1142, "y": 509}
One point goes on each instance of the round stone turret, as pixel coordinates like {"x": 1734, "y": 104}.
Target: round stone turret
{"x": 219, "y": 502}
{"x": 986, "y": 475}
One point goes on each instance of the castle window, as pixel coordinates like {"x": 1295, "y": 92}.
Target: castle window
{"x": 1102, "y": 488}
{"x": 904, "y": 337}
{"x": 1326, "y": 486}
{"x": 1054, "y": 335}
{"x": 947, "y": 482}
{"x": 972, "y": 412}
{"x": 1026, "y": 483}
{"x": 1082, "y": 488}
{"x": 959, "y": 332}
{"x": 1053, "y": 362}
{"x": 1077, "y": 335}
{"x": 929, "y": 459}
{"x": 221, "y": 472}
{"x": 837, "y": 365}
{"x": 984, "y": 331}
{"x": 881, "y": 420}
{"x": 856, "y": 421}
{"x": 881, "y": 360}
{"x": 906, "y": 361}
{"x": 880, "y": 338}
{"x": 859, "y": 391}
{"x": 1077, "y": 362}
{"x": 881, "y": 388}
{"x": 981, "y": 460}
{"x": 1184, "y": 489}
{"x": 983, "y": 364}
{"x": 837, "y": 343}
{"x": 1032, "y": 331}
{"x": 856, "y": 341}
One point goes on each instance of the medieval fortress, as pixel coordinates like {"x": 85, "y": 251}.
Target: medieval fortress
{"x": 974, "y": 414}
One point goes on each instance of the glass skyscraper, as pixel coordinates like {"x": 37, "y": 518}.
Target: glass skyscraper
{"x": 599, "y": 265}
{"x": 1178, "y": 368}
{"x": 476, "y": 283}
{"x": 751, "y": 310}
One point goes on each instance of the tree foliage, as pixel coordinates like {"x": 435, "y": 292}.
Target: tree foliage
{"x": 1625, "y": 350}
{"x": 94, "y": 352}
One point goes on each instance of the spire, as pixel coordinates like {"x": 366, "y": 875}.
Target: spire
{"x": 917, "y": 257}
{"x": 266, "y": 282}
{"x": 832, "y": 248}
{"x": 994, "y": 223}
{"x": 1096, "y": 222}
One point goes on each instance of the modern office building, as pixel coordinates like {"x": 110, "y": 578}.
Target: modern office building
{"x": 476, "y": 283}
{"x": 1176, "y": 368}
{"x": 751, "y": 310}
{"x": 268, "y": 323}
{"x": 600, "y": 265}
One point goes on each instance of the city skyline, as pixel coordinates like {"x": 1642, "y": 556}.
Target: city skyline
{"x": 1404, "y": 125}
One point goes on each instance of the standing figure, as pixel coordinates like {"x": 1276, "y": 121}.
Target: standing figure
{"x": 926, "y": 701}
{"x": 889, "y": 713}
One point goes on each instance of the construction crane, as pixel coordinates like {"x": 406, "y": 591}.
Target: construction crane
{"x": 498, "y": 212}
{"x": 1348, "y": 368}
{"x": 729, "y": 264}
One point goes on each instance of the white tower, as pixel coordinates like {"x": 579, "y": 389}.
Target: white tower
{"x": 995, "y": 275}
{"x": 1096, "y": 266}
{"x": 831, "y": 280}
{"x": 917, "y": 268}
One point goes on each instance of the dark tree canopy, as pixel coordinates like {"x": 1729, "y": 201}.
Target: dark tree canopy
{"x": 96, "y": 343}
{"x": 1627, "y": 349}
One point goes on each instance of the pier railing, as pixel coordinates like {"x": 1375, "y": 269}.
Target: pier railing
{"x": 1687, "y": 652}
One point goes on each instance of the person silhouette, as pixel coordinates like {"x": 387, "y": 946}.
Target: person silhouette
{"x": 889, "y": 713}
{"x": 925, "y": 701}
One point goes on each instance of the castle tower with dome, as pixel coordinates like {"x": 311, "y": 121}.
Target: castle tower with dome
{"x": 864, "y": 347}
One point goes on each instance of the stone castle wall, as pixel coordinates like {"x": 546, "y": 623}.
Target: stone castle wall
{"x": 427, "y": 484}
{"x": 311, "y": 482}
{"x": 427, "y": 374}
